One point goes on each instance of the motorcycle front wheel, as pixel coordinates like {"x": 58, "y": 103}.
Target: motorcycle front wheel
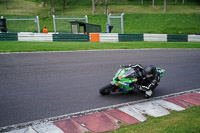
{"x": 106, "y": 90}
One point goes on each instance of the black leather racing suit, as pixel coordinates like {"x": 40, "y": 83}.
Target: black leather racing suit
{"x": 146, "y": 84}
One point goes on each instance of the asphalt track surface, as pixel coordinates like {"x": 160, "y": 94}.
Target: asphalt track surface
{"x": 35, "y": 86}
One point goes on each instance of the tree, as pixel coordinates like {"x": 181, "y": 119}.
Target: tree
{"x": 183, "y": 1}
{"x": 165, "y": 5}
{"x": 64, "y": 3}
{"x": 106, "y": 7}
{"x": 153, "y": 3}
{"x": 175, "y": 1}
{"x": 44, "y": 2}
{"x": 6, "y": 4}
{"x": 142, "y": 2}
{"x": 93, "y": 7}
{"x": 52, "y": 6}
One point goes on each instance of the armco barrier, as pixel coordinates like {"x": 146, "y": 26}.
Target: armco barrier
{"x": 193, "y": 38}
{"x": 25, "y": 36}
{"x": 177, "y": 38}
{"x": 155, "y": 37}
{"x": 109, "y": 37}
{"x": 8, "y": 37}
{"x": 71, "y": 37}
{"x": 130, "y": 37}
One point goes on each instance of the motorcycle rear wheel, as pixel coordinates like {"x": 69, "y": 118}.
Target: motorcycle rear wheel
{"x": 106, "y": 90}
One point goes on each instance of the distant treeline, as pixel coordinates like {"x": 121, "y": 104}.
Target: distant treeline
{"x": 115, "y": 2}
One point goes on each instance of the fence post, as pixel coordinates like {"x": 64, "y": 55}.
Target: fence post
{"x": 86, "y": 19}
{"x": 109, "y": 19}
{"x": 165, "y": 6}
{"x": 122, "y": 23}
{"x": 54, "y": 23}
{"x": 38, "y": 24}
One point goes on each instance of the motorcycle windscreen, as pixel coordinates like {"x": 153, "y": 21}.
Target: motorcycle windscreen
{"x": 117, "y": 73}
{"x": 129, "y": 74}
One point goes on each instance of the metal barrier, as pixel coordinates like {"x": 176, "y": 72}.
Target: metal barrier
{"x": 26, "y": 19}
{"x": 114, "y": 16}
{"x": 38, "y": 37}
{"x": 54, "y": 20}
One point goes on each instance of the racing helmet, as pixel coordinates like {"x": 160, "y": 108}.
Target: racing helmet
{"x": 150, "y": 71}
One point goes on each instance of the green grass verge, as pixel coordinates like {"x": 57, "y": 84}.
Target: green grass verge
{"x": 187, "y": 121}
{"x": 179, "y": 19}
{"x": 70, "y": 46}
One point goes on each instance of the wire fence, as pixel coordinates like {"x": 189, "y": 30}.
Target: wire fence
{"x": 117, "y": 21}
{"x": 61, "y": 24}
{"x": 26, "y": 24}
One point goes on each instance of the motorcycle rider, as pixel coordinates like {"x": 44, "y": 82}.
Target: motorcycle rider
{"x": 148, "y": 78}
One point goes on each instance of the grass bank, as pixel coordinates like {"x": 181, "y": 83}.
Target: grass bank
{"x": 187, "y": 121}
{"x": 133, "y": 23}
{"x": 71, "y": 46}
{"x": 179, "y": 18}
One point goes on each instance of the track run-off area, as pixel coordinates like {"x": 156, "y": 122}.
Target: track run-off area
{"x": 40, "y": 85}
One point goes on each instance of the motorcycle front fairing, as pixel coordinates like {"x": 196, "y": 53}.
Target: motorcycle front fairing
{"x": 124, "y": 79}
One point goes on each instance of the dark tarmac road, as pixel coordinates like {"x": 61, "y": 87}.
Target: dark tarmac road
{"x": 35, "y": 86}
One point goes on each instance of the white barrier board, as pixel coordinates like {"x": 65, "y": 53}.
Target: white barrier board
{"x": 35, "y": 37}
{"x": 155, "y": 37}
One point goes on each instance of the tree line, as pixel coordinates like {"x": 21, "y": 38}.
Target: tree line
{"x": 52, "y": 3}
{"x": 106, "y": 2}
{"x": 63, "y": 3}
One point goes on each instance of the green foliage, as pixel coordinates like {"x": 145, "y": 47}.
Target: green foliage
{"x": 161, "y": 2}
{"x": 69, "y": 2}
{"x": 118, "y": 2}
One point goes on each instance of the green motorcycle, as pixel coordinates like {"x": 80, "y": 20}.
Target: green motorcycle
{"x": 125, "y": 80}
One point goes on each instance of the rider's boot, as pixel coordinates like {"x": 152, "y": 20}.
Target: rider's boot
{"x": 148, "y": 93}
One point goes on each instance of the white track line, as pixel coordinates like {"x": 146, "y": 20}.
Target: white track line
{"x": 103, "y": 50}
